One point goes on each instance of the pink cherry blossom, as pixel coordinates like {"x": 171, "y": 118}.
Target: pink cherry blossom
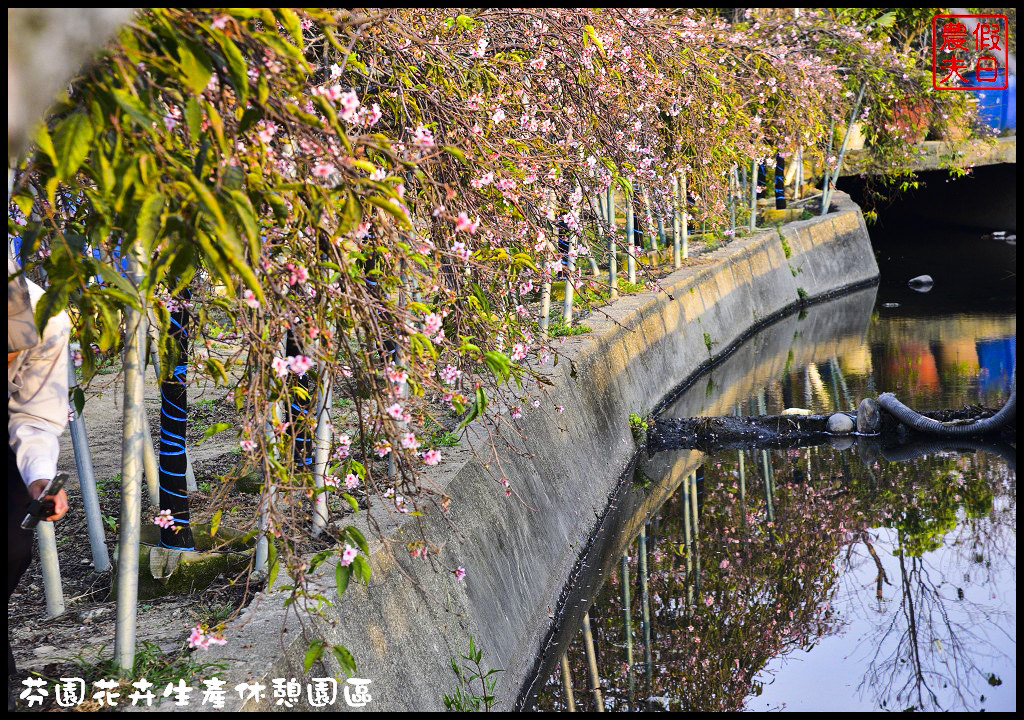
{"x": 432, "y": 324}
{"x": 348, "y": 555}
{"x": 251, "y": 299}
{"x": 280, "y": 366}
{"x": 299, "y": 364}
{"x": 461, "y": 251}
{"x": 374, "y": 116}
{"x": 164, "y": 519}
{"x": 450, "y": 375}
{"x": 464, "y": 224}
{"x": 424, "y": 138}
{"x": 349, "y": 105}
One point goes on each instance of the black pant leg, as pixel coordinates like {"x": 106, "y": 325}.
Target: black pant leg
{"x": 19, "y": 541}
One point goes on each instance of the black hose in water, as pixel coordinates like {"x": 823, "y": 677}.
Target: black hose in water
{"x": 919, "y": 422}
{"x": 930, "y": 447}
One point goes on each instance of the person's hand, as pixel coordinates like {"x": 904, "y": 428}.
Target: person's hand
{"x": 54, "y": 506}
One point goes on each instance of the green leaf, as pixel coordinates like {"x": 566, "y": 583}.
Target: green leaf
{"x": 345, "y": 660}
{"x": 196, "y": 64}
{"x": 262, "y": 89}
{"x": 249, "y": 118}
{"x": 590, "y": 36}
{"x": 215, "y": 429}
{"x": 215, "y": 523}
{"x": 135, "y": 109}
{"x": 359, "y": 539}
{"x": 272, "y": 562}
{"x": 291, "y": 23}
{"x": 282, "y": 47}
{"x": 498, "y": 363}
{"x": 247, "y": 216}
{"x": 207, "y": 201}
{"x": 341, "y": 577}
{"x": 194, "y": 119}
{"x": 220, "y": 375}
{"x": 394, "y": 210}
{"x": 478, "y": 408}
{"x": 147, "y": 222}
{"x": 46, "y": 145}
{"x": 352, "y": 502}
{"x": 236, "y": 68}
{"x": 71, "y": 141}
{"x": 362, "y": 569}
{"x": 451, "y": 150}
{"x": 314, "y": 653}
{"x": 78, "y": 399}
{"x": 52, "y": 302}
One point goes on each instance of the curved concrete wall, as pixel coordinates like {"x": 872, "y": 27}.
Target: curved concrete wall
{"x": 519, "y": 553}
{"x": 830, "y": 329}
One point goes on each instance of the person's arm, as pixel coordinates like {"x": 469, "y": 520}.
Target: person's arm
{"x": 37, "y": 404}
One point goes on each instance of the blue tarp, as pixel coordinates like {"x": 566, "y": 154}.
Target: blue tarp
{"x": 997, "y": 358}
{"x": 997, "y": 108}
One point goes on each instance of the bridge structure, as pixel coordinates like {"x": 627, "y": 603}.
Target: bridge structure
{"x": 942, "y": 155}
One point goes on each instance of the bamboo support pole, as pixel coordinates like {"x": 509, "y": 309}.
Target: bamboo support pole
{"x": 753, "y": 195}
{"x": 49, "y": 563}
{"x": 570, "y": 699}
{"x": 628, "y": 627}
{"x": 696, "y": 529}
{"x": 149, "y": 457}
{"x": 132, "y": 452}
{"x": 87, "y": 480}
{"x": 684, "y": 217}
{"x": 649, "y": 222}
{"x": 321, "y": 456}
{"x": 630, "y": 237}
{"x": 676, "y": 224}
{"x": 570, "y": 275}
{"x": 645, "y": 604}
{"x": 766, "y": 466}
{"x": 688, "y": 541}
{"x": 595, "y": 678}
{"x": 613, "y": 246}
{"x": 831, "y": 183}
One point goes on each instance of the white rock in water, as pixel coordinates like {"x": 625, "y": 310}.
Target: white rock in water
{"x": 922, "y": 283}
{"x": 796, "y": 411}
{"x": 840, "y": 424}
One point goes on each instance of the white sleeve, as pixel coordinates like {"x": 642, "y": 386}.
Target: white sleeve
{"x": 37, "y": 400}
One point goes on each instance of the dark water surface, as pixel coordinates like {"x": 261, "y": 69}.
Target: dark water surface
{"x": 826, "y": 578}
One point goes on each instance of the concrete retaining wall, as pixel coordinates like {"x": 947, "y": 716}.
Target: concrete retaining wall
{"x": 519, "y": 552}
{"x": 834, "y": 328}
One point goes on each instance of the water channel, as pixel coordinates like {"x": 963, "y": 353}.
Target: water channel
{"x": 825, "y": 578}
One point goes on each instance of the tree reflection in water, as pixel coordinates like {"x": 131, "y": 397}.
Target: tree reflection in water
{"x": 911, "y": 550}
{"x": 936, "y": 650}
